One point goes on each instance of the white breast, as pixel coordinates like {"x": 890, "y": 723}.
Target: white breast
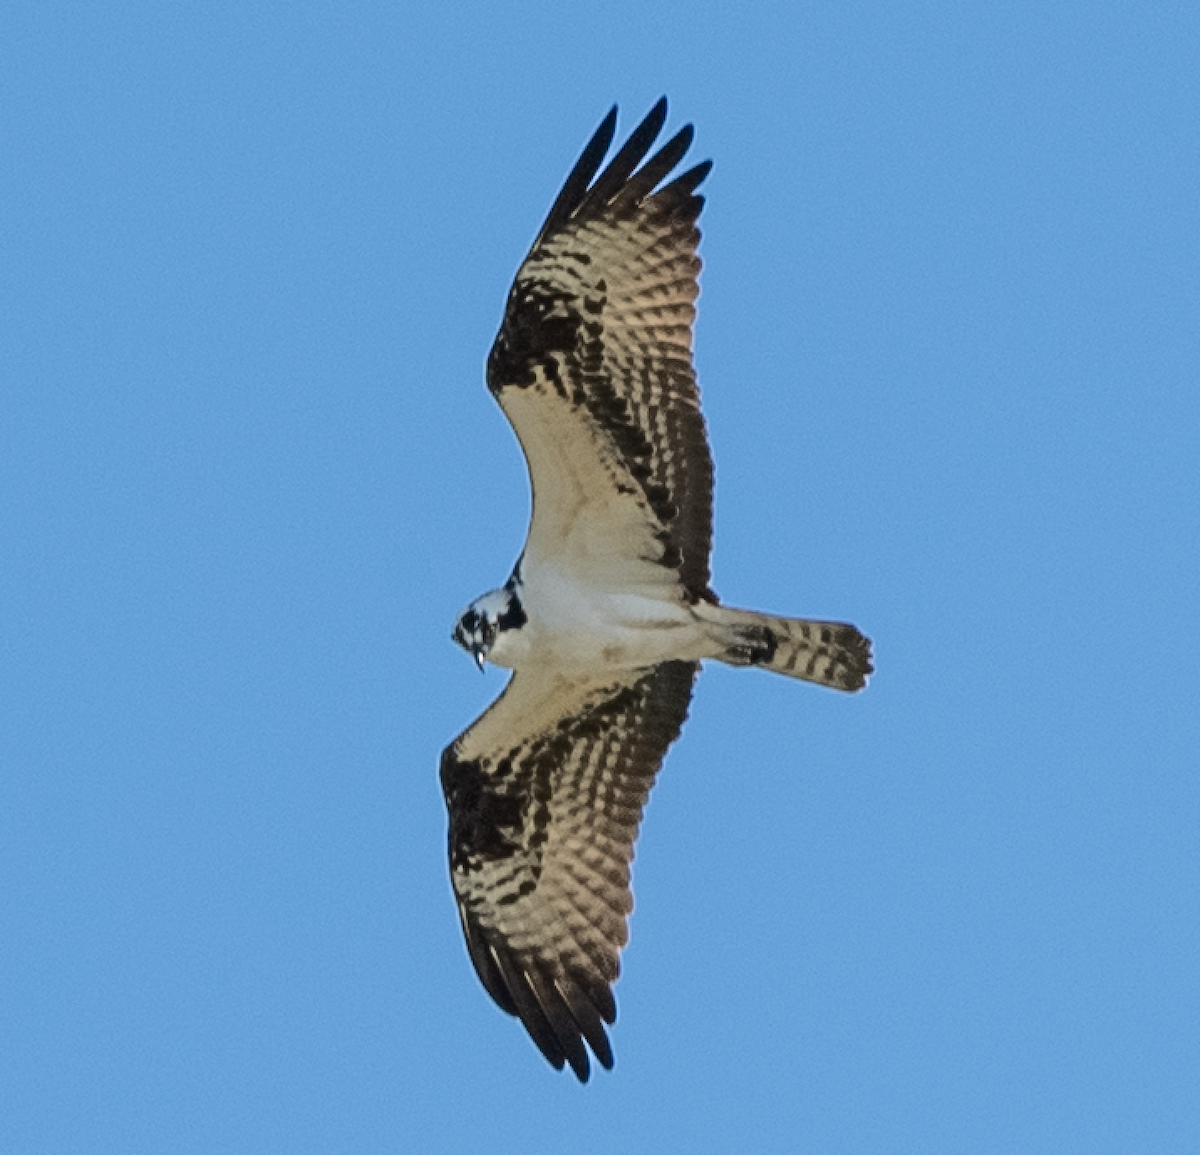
{"x": 573, "y": 622}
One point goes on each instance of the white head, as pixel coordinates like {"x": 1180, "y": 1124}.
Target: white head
{"x": 485, "y": 619}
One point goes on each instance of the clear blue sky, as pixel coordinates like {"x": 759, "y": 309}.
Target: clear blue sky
{"x": 251, "y": 261}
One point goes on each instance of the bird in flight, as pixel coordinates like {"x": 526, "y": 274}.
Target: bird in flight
{"x": 609, "y": 611}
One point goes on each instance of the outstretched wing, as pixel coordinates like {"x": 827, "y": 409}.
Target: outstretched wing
{"x": 545, "y": 793}
{"x": 593, "y": 365}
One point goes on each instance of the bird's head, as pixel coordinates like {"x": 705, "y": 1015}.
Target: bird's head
{"x": 485, "y": 620}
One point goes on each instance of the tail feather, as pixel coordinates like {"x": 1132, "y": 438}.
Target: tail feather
{"x": 829, "y": 653}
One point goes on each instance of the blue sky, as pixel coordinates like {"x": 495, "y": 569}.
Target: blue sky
{"x": 252, "y": 260}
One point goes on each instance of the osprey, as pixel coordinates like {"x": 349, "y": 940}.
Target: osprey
{"x": 608, "y": 612}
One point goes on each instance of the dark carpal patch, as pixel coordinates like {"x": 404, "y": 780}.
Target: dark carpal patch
{"x": 485, "y": 824}
{"x": 541, "y": 321}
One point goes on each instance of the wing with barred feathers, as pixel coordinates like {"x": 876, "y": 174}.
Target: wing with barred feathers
{"x": 593, "y": 366}
{"x": 545, "y": 794}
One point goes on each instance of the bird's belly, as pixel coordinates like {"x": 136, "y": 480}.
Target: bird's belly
{"x": 575, "y": 626}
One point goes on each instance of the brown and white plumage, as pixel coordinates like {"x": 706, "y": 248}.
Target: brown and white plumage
{"x": 545, "y": 794}
{"x": 609, "y": 610}
{"x": 598, "y": 329}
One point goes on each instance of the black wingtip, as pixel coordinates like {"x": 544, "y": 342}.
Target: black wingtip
{"x": 607, "y": 129}
{"x": 575, "y": 187}
{"x": 628, "y": 157}
{"x": 620, "y": 180}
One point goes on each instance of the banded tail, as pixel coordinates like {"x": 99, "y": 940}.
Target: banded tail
{"x": 829, "y": 653}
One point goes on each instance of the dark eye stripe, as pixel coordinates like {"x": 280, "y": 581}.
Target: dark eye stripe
{"x": 513, "y": 617}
